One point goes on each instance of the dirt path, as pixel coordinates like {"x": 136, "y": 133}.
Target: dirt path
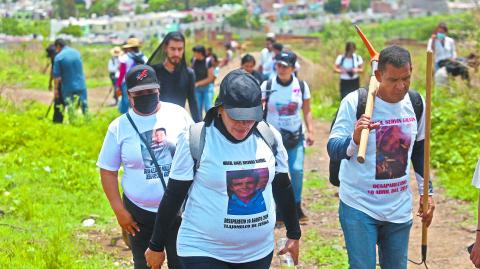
{"x": 449, "y": 234}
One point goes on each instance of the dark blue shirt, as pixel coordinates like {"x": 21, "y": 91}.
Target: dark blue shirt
{"x": 68, "y": 66}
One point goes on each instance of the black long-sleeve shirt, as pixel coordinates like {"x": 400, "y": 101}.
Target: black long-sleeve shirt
{"x": 177, "y": 191}
{"x": 177, "y": 86}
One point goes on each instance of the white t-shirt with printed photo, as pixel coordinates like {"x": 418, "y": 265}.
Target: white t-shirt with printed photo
{"x": 347, "y": 64}
{"x": 122, "y": 145}
{"x": 380, "y": 186}
{"x": 230, "y": 211}
{"x": 285, "y": 104}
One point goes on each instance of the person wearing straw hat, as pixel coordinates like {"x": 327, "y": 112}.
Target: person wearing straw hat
{"x": 132, "y": 56}
{"x": 235, "y": 151}
{"x": 143, "y": 140}
{"x": 113, "y": 68}
{"x": 375, "y": 197}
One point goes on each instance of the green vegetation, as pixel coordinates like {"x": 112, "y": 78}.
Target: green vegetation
{"x": 16, "y": 27}
{"x": 315, "y": 248}
{"x": 73, "y": 30}
{"x": 455, "y": 136}
{"x": 242, "y": 19}
{"x": 49, "y": 184}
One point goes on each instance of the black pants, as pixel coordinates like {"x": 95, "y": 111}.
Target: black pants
{"x": 348, "y": 85}
{"x": 58, "y": 106}
{"x": 146, "y": 221}
{"x": 211, "y": 263}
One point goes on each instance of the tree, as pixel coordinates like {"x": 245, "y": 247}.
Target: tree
{"x": 73, "y": 30}
{"x": 163, "y": 5}
{"x": 242, "y": 19}
{"x": 238, "y": 19}
{"x": 64, "y": 9}
{"x": 333, "y": 6}
{"x": 359, "y": 5}
{"x": 105, "y": 7}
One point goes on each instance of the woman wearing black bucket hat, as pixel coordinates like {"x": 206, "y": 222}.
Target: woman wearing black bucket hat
{"x": 143, "y": 141}
{"x": 232, "y": 179}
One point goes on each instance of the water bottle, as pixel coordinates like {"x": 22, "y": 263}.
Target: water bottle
{"x": 286, "y": 260}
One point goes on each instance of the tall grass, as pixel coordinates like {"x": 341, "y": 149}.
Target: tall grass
{"x": 48, "y": 185}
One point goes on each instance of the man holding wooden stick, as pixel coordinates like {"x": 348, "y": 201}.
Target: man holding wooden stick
{"x": 375, "y": 197}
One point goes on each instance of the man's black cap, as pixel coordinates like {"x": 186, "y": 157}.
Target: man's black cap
{"x": 287, "y": 58}
{"x": 241, "y": 96}
{"x": 141, "y": 77}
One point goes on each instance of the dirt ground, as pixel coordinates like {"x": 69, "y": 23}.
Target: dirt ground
{"x": 451, "y": 231}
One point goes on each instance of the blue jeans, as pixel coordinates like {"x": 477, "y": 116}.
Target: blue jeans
{"x": 204, "y": 96}
{"x": 296, "y": 156}
{"x": 124, "y": 104}
{"x": 363, "y": 232}
{"x": 68, "y": 98}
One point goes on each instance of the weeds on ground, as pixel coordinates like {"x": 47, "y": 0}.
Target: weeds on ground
{"x": 48, "y": 184}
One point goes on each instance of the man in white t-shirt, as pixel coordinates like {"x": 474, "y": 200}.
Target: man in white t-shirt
{"x": 149, "y": 128}
{"x": 266, "y": 58}
{"x": 442, "y": 45}
{"x": 375, "y": 197}
{"x": 475, "y": 255}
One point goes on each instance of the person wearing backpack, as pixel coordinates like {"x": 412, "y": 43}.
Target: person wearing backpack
{"x": 286, "y": 98}
{"x": 234, "y": 168}
{"x": 176, "y": 79}
{"x": 132, "y": 56}
{"x": 204, "y": 76}
{"x": 349, "y": 65}
{"x": 143, "y": 141}
{"x": 375, "y": 198}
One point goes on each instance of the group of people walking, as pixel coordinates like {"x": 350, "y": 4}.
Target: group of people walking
{"x": 234, "y": 166}
{"x": 208, "y": 191}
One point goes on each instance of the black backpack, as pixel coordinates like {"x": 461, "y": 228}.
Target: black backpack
{"x": 269, "y": 92}
{"x": 417, "y": 103}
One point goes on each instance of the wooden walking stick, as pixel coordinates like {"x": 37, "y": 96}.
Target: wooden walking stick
{"x": 372, "y": 89}
{"x": 426, "y": 158}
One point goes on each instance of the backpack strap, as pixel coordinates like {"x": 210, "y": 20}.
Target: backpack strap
{"x": 362, "y": 101}
{"x": 268, "y": 92}
{"x": 302, "y": 87}
{"x": 263, "y": 129}
{"x": 417, "y": 103}
{"x": 341, "y": 60}
{"x": 150, "y": 151}
{"x": 197, "y": 142}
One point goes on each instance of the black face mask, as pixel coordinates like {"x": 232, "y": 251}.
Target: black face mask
{"x": 146, "y": 104}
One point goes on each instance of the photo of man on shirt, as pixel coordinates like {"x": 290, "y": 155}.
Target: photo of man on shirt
{"x": 393, "y": 144}
{"x": 161, "y": 148}
{"x": 245, "y": 189}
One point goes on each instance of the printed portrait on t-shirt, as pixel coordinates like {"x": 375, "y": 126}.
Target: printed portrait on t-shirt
{"x": 287, "y": 109}
{"x": 163, "y": 151}
{"x": 245, "y": 189}
{"x": 393, "y": 143}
